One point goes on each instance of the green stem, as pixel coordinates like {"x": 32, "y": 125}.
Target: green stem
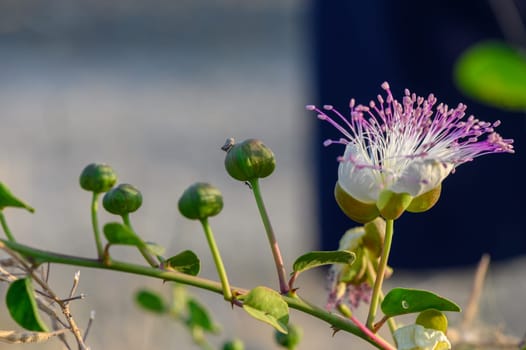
{"x": 227, "y": 293}
{"x": 380, "y": 274}
{"x": 95, "y": 224}
{"x": 345, "y": 311}
{"x": 371, "y": 277}
{"x": 41, "y": 256}
{"x": 278, "y": 260}
{"x": 7, "y": 231}
{"x": 144, "y": 252}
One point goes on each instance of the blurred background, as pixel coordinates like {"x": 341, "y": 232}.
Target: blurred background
{"x": 154, "y": 88}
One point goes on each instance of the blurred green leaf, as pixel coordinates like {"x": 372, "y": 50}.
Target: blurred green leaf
{"x": 200, "y": 317}
{"x": 234, "y": 344}
{"x": 22, "y": 306}
{"x": 268, "y": 306}
{"x": 401, "y": 301}
{"x": 314, "y": 259}
{"x": 7, "y": 199}
{"x": 117, "y": 233}
{"x": 186, "y": 262}
{"x": 151, "y": 301}
{"x": 493, "y": 73}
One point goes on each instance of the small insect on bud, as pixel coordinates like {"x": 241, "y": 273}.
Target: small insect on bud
{"x": 122, "y": 200}
{"x": 97, "y": 178}
{"x": 249, "y": 160}
{"x": 200, "y": 201}
{"x": 291, "y": 339}
{"x": 432, "y": 319}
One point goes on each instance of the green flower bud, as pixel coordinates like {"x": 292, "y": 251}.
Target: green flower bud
{"x": 234, "y": 344}
{"x": 391, "y": 204}
{"x": 425, "y": 201}
{"x": 291, "y": 339}
{"x": 200, "y": 201}
{"x": 353, "y": 208}
{"x": 432, "y": 319}
{"x": 97, "y": 178}
{"x": 249, "y": 160}
{"x": 122, "y": 200}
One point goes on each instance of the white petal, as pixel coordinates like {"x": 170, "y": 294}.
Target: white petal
{"x": 362, "y": 184}
{"x": 421, "y": 176}
{"x": 416, "y": 337}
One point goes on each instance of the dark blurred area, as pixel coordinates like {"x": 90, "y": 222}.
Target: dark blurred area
{"x": 414, "y": 44}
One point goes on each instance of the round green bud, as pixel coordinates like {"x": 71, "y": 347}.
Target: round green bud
{"x": 358, "y": 211}
{"x": 234, "y": 344}
{"x": 122, "y": 200}
{"x": 291, "y": 339}
{"x": 432, "y": 319}
{"x": 425, "y": 201}
{"x": 249, "y": 160}
{"x": 97, "y": 178}
{"x": 200, "y": 201}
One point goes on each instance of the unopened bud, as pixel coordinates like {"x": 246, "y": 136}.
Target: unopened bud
{"x": 122, "y": 200}
{"x": 200, "y": 201}
{"x": 291, "y": 339}
{"x": 97, "y": 178}
{"x": 432, "y": 319}
{"x": 249, "y": 160}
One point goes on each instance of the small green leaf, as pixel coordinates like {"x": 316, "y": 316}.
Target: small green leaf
{"x": 7, "y": 199}
{"x": 200, "y": 317}
{"x": 117, "y": 233}
{"x": 186, "y": 262}
{"x": 400, "y": 301}
{"x": 494, "y": 73}
{"x": 154, "y": 248}
{"x": 314, "y": 259}
{"x": 268, "y": 306}
{"x": 21, "y": 303}
{"x": 151, "y": 301}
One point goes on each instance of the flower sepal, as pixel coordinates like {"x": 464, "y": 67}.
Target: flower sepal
{"x": 356, "y": 210}
{"x": 392, "y": 205}
{"x": 425, "y": 201}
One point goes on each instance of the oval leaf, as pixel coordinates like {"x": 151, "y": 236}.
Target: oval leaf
{"x": 400, "y": 301}
{"x": 151, "y": 301}
{"x": 186, "y": 262}
{"x": 7, "y": 199}
{"x": 117, "y": 233}
{"x": 314, "y": 259}
{"x": 200, "y": 317}
{"x": 268, "y": 306}
{"x": 22, "y": 306}
{"x": 493, "y": 73}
